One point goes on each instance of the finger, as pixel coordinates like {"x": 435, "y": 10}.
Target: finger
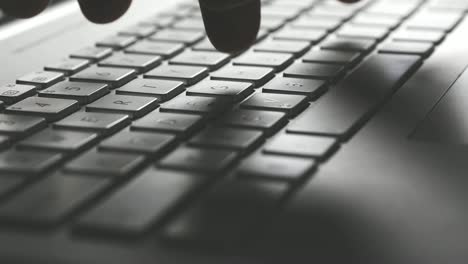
{"x": 103, "y": 11}
{"x": 231, "y": 25}
{"x": 349, "y": 1}
{"x": 23, "y": 8}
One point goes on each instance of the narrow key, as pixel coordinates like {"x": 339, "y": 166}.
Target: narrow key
{"x": 12, "y": 93}
{"x": 96, "y": 122}
{"x": 50, "y": 108}
{"x": 186, "y": 37}
{"x": 138, "y": 142}
{"x": 198, "y": 160}
{"x": 68, "y": 66}
{"x": 187, "y": 74}
{"x": 30, "y": 163}
{"x": 162, "y": 89}
{"x": 344, "y": 58}
{"x": 134, "y": 106}
{"x": 163, "y": 49}
{"x": 208, "y": 59}
{"x": 314, "y": 71}
{"x": 277, "y": 61}
{"x": 138, "y": 62}
{"x": 196, "y": 105}
{"x": 409, "y": 48}
{"x": 297, "y": 48}
{"x": 112, "y": 76}
{"x": 142, "y": 202}
{"x": 46, "y": 203}
{"x": 9, "y": 184}
{"x": 234, "y": 91}
{"x": 179, "y": 124}
{"x": 256, "y": 75}
{"x": 19, "y": 126}
{"x": 117, "y": 42}
{"x": 310, "y": 88}
{"x": 139, "y": 31}
{"x": 41, "y": 79}
{"x": 365, "y": 32}
{"x": 92, "y": 53}
{"x": 59, "y": 141}
{"x": 290, "y": 104}
{"x": 84, "y": 93}
{"x": 228, "y": 138}
{"x": 105, "y": 163}
{"x": 266, "y": 121}
{"x": 301, "y": 146}
{"x": 295, "y": 34}
{"x": 348, "y": 44}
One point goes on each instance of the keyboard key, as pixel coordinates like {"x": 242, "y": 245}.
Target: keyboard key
{"x": 204, "y": 45}
{"x": 280, "y": 12}
{"x": 179, "y": 124}
{"x": 9, "y": 184}
{"x": 117, "y": 42}
{"x": 256, "y": 75}
{"x": 314, "y": 71}
{"x": 139, "y": 31}
{"x": 410, "y": 48}
{"x": 139, "y": 62}
{"x": 92, "y": 53}
{"x": 187, "y": 74}
{"x": 327, "y": 23}
{"x": 51, "y": 200}
{"x": 408, "y": 35}
{"x": 41, "y": 79}
{"x": 435, "y": 20}
{"x": 272, "y": 23}
{"x": 198, "y": 160}
{"x": 189, "y": 24}
{"x": 234, "y": 91}
{"x": 84, "y": 93}
{"x": 209, "y": 59}
{"x": 297, "y": 48}
{"x": 50, "y": 108}
{"x": 186, "y": 37}
{"x": 266, "y": 121}
{"x": 134, "y": 106}
{"x": 277, "y": 61}
{"x": 162, "y": 89}
{"x": 290, "y": 104}
{"x": 330, "y": 116}
{"x": 275, "y": 167}
{"x": 96, "y": 122}
{"x": 366, "y": 32}
{"x": 293, "y": 34}
{"x": 68, "y": 66}
{"x": 349, "y": 44}
{"x": 20, "y": 126}
{"x": 30, "y": 163}
{"x": 301, "y": 146}
{"x": 196, "y": 105}
{"x": 165, "y": 50}
{"x": 59, "y": 140}
{"x": 12, "y": 93}
{"x": 138, "y": 142}
{"x": 346, "y": 59}
{"x": 310, "y": 88}
{"x": 105, "y": 163}
{"x": 112, "y": 76}
{"x": 133, "y": 209}
{"x": 4, "y": 143}
{"x": 368, "y": 19}
{"x": 228, "y": 138}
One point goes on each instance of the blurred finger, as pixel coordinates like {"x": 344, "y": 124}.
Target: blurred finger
{"x": 23, "y": 8}
{"x": 103, "y": 11}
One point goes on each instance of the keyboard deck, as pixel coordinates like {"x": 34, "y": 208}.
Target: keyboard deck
{"x": 152, "y": 129}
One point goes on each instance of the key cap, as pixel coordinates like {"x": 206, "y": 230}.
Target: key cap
{"x": 408, "y": 35}
{"x": 314, "y": 71}
{"x": 290, "y": 104}
{"x": 265, "y": 59}
{"x": 117, "y": 42}
{"x": 256, "y": 75}
{"x": 4, "y": 143}
{"x": 410, "y": 48}
{"x": 365, "y": 32}
{"x": 368, "y": 19}
{"x": 189, "y": 24}
{"x": 30, "y": 163}
{"x": 102, "y": 123}
{"x": 111, "y": 76}
{"x": 331, "y": 116}
{"x": 198, "y": 160}
{"x": 275, "y": 167}
{"x": 243, "y": 140}
{"x": 272, "y": 23}
{"x": 266, "y": 121}
{"x": 92, "y": 53}
{"x": 162, "y": 89}
{"x": 179, "y": 36}
{"x": 280, "y": 12}
{"x": 187, "y": 74}
{"x": 138, "y": 142}
{"x": 105, "y": 163}
{"x": 327, "y": 23}
{"x": 234, "y": 91}
{"x": 9, "y": 184}
{"x": 50, "y": 108}
{"x": 159, "y": 21}
{"x": 293, "y": 34}
{"x": 204, "y": 45}
{"x": 138, "y": 62}
{"x": 310, "y": 88}
{"x": 297, "y": 48}
{"x": 68, "y": 66}
{"x": 84, "y": 93}
{"x": 59, "y": 141}
{"x": 139, "y": 31}
{"x": 208, "y": 59}
{"x": 208, "y": 106}
{"x": 51, "y": 200}
{"x": 165, "y": 50}
{"x": 433, "y": 20}
{"x": 134, "y": 106}
{"x": 20, "y": 126}
{"x": 228, "y": 214}
{"x": 181, "y": 125}
{"x": 12, "y": 93}
{"x": 360, "y": 45}
{"x": 342, "y": 13}
{"x": 145, "y": 200}
{"x": 301, "y": 146}
{"x": 41, "y": 79}
{"x": 347, "y": 59}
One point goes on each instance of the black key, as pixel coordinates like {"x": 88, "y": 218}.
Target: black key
{"x": 84, "y": 93}
{"x": 256, "y": 75}
{"x": 186, "y": 37}
{"x": 332, "y": 57}
{"x": 112, "y": 76}
{"x": 348, "y": 44}
{"x": 139, "y": 62}
{"x": 196, "y": 105}
{"x": 96, "y": 122}
{"x": 229, "y": 213}
{"x": 138, "y": 142}
{"x": 51, "y": 200}
{"x": 294, "y": 34}
{"x": 141, "y": 203}
{"x": 275, "y": 167}
{"x": 59, "y": 140}
{"x": 20, "y": 126}
{"x": 92, "y": 53}
{"x": 41, "y": 79}
{"x": 267, "y": 121}
{"x": 234, "y": 91}
{"x": 314, "y": 71}
{"x": 290, "y": 104}
{"x": 139, "y": 31}
{"x": 179, "y": 124}
{"x": 163, "y": 49}
{"x": 68, "y": 66}
{"x": 228, "y": 138}
{"x": 105, "y": 163}
{"x": 117, "y": 42}
{"x": 310, "y": 88}
{"x": 327, "y": 23}
{"x": 187, "y": 74}
{"x": 12, "y": 93}
{"x": 277, "y": 61}
{"x": 9, "y": 184}
{"x": 410, "y": 48}
{"x": 134, "y": 106}
{"x": 209, "y": 59}
{"x": 301, "y": 146}
{"x": 162, "y": 89}
{"x": 365, "y": 32}
{"x": 297, "y": 48}
{"x": 25, "y": 162}
{"x": 50, "y": 108}
{"x": 341, "y": 111}
{"x": 199, "y": 160}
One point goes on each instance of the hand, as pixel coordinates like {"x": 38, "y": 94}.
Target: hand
{"x": 231, "y": 25}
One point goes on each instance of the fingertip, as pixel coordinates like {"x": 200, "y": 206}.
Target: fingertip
{"x": 102, "y": 11}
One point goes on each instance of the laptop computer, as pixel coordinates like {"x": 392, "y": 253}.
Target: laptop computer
{"x": 339, "y": 137}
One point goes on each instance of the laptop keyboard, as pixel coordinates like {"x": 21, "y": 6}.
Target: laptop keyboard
{"x": 153, "y": 129}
